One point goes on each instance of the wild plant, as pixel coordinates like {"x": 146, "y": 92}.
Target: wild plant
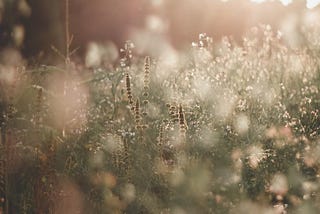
{"x": 223, "y": 127}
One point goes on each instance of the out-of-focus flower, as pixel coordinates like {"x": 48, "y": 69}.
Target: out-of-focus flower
{"x": 279, "y": 185}
{"x": 18, "y": 35}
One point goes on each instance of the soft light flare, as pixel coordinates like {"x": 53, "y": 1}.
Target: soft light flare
{"x": 312, "y": 3}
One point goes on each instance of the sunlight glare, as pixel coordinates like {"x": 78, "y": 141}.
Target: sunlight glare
{"x": 312, "y": 3}
{"x": 286, "y": 2}
{"x": 258, "y": 1}
{"x": 309, "y": 3}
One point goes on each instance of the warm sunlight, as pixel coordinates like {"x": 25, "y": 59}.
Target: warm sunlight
{"x": 309, "y": 3}
{"x": 312, "y": 3}
{"x": 286, "y": 2}
{"x": 160, "y": 106}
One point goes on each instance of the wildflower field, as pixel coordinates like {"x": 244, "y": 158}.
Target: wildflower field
{"x": 219, "y": 127}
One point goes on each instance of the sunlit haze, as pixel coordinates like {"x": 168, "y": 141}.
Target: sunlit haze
{"x": 309, "y": 3}
{"x": 160, "y": 106}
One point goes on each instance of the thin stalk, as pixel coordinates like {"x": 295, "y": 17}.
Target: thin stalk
{"x": 67, "y": 18}
{"x": 7, "y": 155}
{"x": 67, "y": 56}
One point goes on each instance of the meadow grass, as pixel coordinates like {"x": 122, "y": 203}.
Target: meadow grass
{"x": 221, "y": 128}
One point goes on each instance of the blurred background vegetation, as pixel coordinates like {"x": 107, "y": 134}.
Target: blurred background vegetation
{"x": 173, "y": 121}
{"x": 179, "y": 21}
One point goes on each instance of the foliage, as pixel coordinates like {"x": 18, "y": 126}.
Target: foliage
{"x": 219, "y": 128}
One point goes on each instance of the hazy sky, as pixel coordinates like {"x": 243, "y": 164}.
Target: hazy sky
{"x": 179, "y": 22}
{"x": 309, "y": 3}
